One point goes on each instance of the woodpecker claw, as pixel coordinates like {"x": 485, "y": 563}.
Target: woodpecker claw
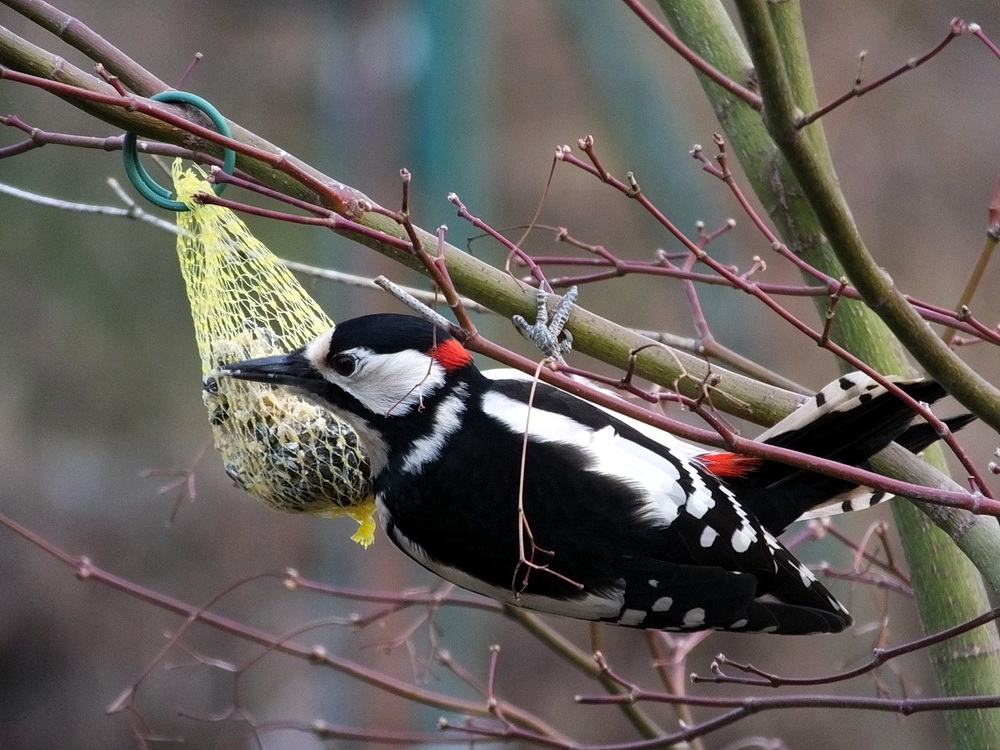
{"x": 546, "y": 331}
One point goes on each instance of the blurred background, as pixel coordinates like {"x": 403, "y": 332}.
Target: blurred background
{"x": 100, "y": 377}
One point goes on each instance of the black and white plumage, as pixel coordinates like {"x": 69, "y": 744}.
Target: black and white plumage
{"x": 622, "y": 522}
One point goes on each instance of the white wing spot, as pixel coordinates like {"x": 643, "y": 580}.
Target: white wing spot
{"x": 632, "y": 617}
{"x": 700, "y": 500}
{"x": 663, "y": 604}
{"x": 808, "y": 579}
{"x": 694, "y": 617}
{"x": 699, "y": 503}
{"x": 708, "y": 537}
{"x": 739, "y": 624}
{"x": 653, "y": 582}
{"x": 741, "y": 540}
{"x": 746, "y": 534}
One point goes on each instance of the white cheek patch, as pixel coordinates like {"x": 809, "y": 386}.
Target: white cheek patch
{"x": 386, "y": 384}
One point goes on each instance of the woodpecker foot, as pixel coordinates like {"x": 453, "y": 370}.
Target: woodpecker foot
{"x": 546, "y": 331}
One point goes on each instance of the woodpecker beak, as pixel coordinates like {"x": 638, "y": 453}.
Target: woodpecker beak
{"x": 292, "y": 369}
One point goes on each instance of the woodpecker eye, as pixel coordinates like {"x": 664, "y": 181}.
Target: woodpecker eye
{"x": 344, "y": 364}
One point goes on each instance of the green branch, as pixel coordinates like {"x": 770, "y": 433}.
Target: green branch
{"x": 820, "y": 186}
{"x": 793, "y": 175}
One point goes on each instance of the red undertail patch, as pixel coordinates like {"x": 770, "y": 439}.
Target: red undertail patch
{"x": 728, "y": 464}
{"x": 451, "y": 354}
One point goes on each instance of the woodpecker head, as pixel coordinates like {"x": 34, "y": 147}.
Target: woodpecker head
{"x": 373, "y": 371}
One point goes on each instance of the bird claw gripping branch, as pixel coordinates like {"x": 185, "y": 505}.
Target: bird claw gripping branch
{"x": 546, "y": 331}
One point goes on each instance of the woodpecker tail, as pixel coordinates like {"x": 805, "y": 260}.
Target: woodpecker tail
{"x": 849, "y": 421}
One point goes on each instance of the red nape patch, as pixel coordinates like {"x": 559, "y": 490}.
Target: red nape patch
{"x": 451, "y": 354}
{"x": 728, "y": 464}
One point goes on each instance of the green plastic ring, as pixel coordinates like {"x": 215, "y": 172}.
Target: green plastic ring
{"x": 144, "y": 183}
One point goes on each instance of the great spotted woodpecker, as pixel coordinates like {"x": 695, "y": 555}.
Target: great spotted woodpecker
{"x": 621, "y": 522}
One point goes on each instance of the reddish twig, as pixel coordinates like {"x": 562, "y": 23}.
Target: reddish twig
{"x": 84, "y": 569}
{"x": 741, "y": 707}
{"x": 879, "y": 657}
{"x": 956, "y": 28}
{"x": 184, "y": 480}
{"x": 436, "y": 267}
{"x": 630, "y": 189}
{"x": 515, "y": 251}
{"x": 696, "y": 61}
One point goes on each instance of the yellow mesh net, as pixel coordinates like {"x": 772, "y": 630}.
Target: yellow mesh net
{"x": 294, "y": 456}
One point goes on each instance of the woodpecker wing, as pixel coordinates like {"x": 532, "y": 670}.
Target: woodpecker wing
{"x": 682, "y": 515}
